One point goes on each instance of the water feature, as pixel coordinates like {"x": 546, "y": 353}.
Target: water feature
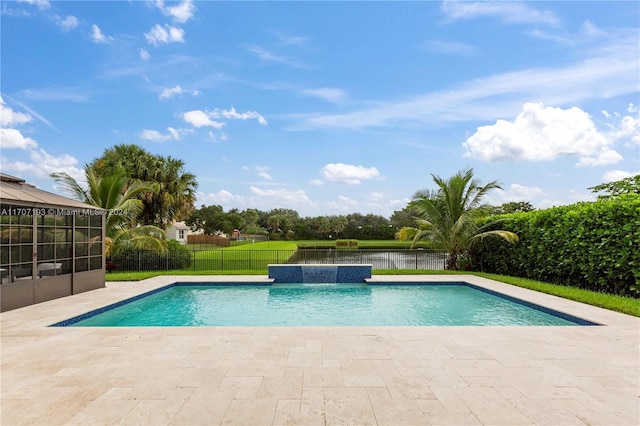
{"x": 320, "y": 273}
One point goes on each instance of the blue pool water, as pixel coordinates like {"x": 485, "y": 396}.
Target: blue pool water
{"x": 322, "y": 305}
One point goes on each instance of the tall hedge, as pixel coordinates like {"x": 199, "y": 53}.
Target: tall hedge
{"x": 592, "y": 245}
{"x": 176, "y": 257}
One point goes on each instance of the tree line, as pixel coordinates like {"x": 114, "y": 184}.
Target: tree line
{"x": 287, "y": 224}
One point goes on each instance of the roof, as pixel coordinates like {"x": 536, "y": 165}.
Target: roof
{"x": 16, "y": 190}
{"x": 179, "y": 225}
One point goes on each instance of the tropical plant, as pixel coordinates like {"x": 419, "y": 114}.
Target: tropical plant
{"x": 174, "y": 198}
{"x": 116, "y": 194}
{"x": 449, "y": 217}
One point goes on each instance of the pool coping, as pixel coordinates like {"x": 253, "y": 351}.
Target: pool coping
{"x": 317, "y": 375}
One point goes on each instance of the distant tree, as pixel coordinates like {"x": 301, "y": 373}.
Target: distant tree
{"x": 404, "y": 218}
{"x": 630, "y": 185}
{"x": 512, "y": 207}
{"x": 337, "y": 225}
{"x": 449, "y": 216}
{"x": 274, "y": 223}
{"x": 250, "y": 222}
{"x": 211, "y": 219}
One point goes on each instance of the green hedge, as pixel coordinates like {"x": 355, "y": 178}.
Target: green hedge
{"x": 177, "y": 257}
{"x": 588, "y": 245}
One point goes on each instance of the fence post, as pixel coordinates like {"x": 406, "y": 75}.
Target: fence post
{"x": 194, "y": 260}
{"x": 222, "y": 259}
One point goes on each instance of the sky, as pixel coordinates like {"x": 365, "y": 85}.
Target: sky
{"x": 328, "y": 108}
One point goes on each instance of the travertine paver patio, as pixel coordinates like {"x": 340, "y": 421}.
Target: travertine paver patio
{"x": 316, "y": 375}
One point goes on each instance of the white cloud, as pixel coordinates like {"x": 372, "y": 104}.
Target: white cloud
{"x": 13, "y": 138}
{"x": 67, "y": 94}
{"x": 42, "y": 164}
{"x": 316, "y": 182}
{"x": 603, "y": 158}
{"x": 41, "y": 4}
{"x": 168, "y": 34}
{"x": 180, "y": 13}
{"x": 287, "y": 39}
{"x": 144, "y": 55}
{"x": 615, "y": 175}
{"x": 624, "y": 128}
{"x": 68, "y": 23}
{"x": 343, "y": 204}
{"x": 9, "y": 117}
{"x": 262, "y": 171}
{"x": 348, "y": 174}
{"x": 587, "y": 34}
{"x": 375, "y": 196}
{"x": 222, "y": 197}
{"x": 267, "y": 56}
{"x": 155, "y": 136}
{"x": 517, "y": 192}
{"x": 97, "y": 36}
{"x": 175, "y": 134}
{"x": 328, "y": 94}
{"x": 541, "y": 133}
{"x": 283, "y": 197}
{"x": 510, "y": 12}
{"x": 176, "y": 90}
{"x": 199, "y": 118}
{"x": 215, "y": 138}
{"x": 232, "y": 114}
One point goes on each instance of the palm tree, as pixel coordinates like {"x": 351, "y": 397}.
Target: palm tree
{"x": 116, "y": 194}
{"x": 175, "y": 196}
{"x": 450, "y": 217}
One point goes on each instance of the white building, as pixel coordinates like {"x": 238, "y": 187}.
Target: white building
{"x": 179, "y": 231}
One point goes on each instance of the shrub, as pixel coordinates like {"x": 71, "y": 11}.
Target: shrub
{"x": 347, "y": 244}
{"x": 588, "y": 245}
{"x": 177, "y": 257}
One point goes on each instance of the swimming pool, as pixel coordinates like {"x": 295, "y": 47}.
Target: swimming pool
{"x": 264, "y": 304}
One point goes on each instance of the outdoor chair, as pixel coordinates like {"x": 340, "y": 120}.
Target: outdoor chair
{"x": 21, "y": 273}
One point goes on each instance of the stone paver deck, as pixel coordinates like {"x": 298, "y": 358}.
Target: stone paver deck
{"x": 317, "y": 375}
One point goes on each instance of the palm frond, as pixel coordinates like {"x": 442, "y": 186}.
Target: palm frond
{"x": 70, "y": 186}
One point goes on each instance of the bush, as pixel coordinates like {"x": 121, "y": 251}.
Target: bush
{"x": 587, "y": 245}
{"x": 346, "y": 244}
{"x": 177, "y": 257}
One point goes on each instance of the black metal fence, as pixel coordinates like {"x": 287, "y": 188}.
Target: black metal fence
{"x": 257, "y": 260}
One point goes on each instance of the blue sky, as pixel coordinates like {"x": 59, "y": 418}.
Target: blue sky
{"x": 328, "y": 107}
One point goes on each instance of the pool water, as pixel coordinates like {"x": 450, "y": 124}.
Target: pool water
{"x": 398, "y": 304}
